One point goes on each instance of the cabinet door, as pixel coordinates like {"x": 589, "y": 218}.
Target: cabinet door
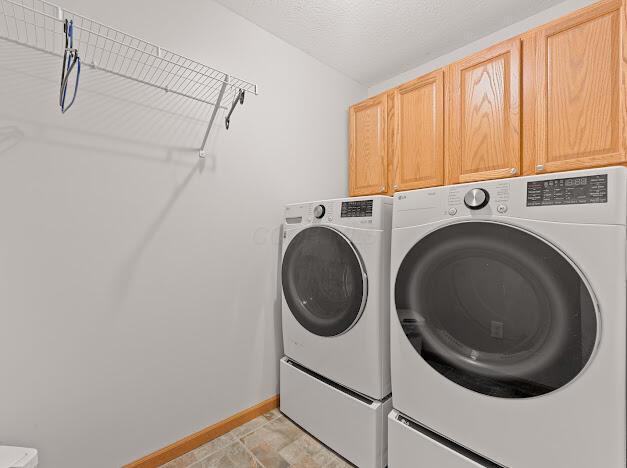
{"x": 574, "y": 97}
{"x": 419, "y": 133}
{"x": 368, "y": 147}
{"x": 484, "y": 115}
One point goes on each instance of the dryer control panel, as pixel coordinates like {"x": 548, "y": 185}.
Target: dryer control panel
{"x": 568, "y": 191}
{"x": 589, "y": 196}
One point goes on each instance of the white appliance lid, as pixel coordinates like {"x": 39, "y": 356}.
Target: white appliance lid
{"x": 17, "y": 457}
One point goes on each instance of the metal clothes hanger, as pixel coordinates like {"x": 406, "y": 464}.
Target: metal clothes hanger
{"x": 71, "y": 60}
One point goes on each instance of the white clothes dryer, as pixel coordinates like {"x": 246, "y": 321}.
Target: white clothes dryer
{"x": 508, "y": 331}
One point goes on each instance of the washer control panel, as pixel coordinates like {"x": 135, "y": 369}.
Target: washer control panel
{"x": 357, "y": 209}
{"x": 368, "y": 213}
{"x": 568, "y": 191}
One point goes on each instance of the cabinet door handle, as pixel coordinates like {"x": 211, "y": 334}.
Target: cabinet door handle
{"x": 395, "y": 186}
{"x": 539, "y": 167}
{"x": 382, "y": 189}
{"x": 513, "y": 170}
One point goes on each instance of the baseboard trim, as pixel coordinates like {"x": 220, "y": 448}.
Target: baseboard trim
{"x": 189, "y": 443}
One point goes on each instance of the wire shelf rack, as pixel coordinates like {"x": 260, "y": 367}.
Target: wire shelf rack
{"x": 38, "y": 24}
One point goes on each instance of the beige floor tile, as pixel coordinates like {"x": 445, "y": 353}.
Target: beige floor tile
{"x": 302, "y": 449}
{"x": 268, "y": 456}
{"x": 270, "y": 415}
{"x": 232, "y": 456}
{"x": 249, "y": 427}
{"x": 278, "y": 434}
{"x": 329, "y": 459}
{"x": 201, "y": 452}
{"x": 181, "y": 462}
{"x": 269, "y": 441}
{"x": 213, "y": 446}
{"x": 307, "y": 462}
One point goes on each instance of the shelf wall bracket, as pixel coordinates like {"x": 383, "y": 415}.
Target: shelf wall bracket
{"x": 216, "y": 107}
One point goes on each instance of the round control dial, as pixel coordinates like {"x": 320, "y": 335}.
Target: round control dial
{"x": 319, "y": 211}
{"x": 476, "y": 198}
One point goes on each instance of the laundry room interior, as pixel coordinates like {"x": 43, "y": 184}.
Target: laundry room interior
{"x": 313, "y": 234}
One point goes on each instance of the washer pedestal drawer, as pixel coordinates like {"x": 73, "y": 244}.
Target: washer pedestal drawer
{"x": 350, "y": 424}
{"x": 411, "y": 446}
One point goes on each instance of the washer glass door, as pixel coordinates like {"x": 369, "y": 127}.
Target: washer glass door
{"x": 324, "y": 281}
{"x": 496, "y": 309}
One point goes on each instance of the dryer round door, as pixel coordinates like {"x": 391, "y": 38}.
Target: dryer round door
{"x": 324, "y": 281}
{"x": 496, "y": 309}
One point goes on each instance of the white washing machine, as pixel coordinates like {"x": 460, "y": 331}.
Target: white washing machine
{"x": 508, "y": 331}
{"x": 335, "y": 277}
{"x": 335, "y": 281}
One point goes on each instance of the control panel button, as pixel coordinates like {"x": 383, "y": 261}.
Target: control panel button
{"x": 319, "y": 211}
{"x": 452, "y": 211}
{"x": 501, "y": 208}
{"x": 476, "y": 198}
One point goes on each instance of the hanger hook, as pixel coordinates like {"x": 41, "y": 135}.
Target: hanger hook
{"x": 239, "y": 98}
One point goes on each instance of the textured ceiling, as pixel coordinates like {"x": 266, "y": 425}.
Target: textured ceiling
{"x": 372, "y": 40}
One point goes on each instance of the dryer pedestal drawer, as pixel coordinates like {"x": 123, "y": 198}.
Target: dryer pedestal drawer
{"x": 353, "y": 426}
{"x": 410, "y": 446}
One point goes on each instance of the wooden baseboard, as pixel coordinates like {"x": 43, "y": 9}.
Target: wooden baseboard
{"x": 203, "y": 436}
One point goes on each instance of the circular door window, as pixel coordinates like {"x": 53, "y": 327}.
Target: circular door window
{"x": 324, "y": 282}
{"x": 496, "y": 310}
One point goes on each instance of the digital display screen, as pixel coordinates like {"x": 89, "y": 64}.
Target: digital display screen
{"x": 575, "y": 182}
{"x": 357, "y": 209}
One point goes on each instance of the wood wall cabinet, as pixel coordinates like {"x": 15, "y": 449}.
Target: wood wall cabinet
{"x": 574, "y": 98}
{"x": 554, "y": 99}
{"x": 418, "y": 133}
{"x": 368, "y": 147}
{"x": 484, "y": 90}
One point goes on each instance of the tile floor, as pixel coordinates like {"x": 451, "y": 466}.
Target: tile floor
{"x": 269, "y": 441}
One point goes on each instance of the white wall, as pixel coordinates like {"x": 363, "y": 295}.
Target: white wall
{"x": 138, "y": 289}
{"x": 520, "y": 27}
